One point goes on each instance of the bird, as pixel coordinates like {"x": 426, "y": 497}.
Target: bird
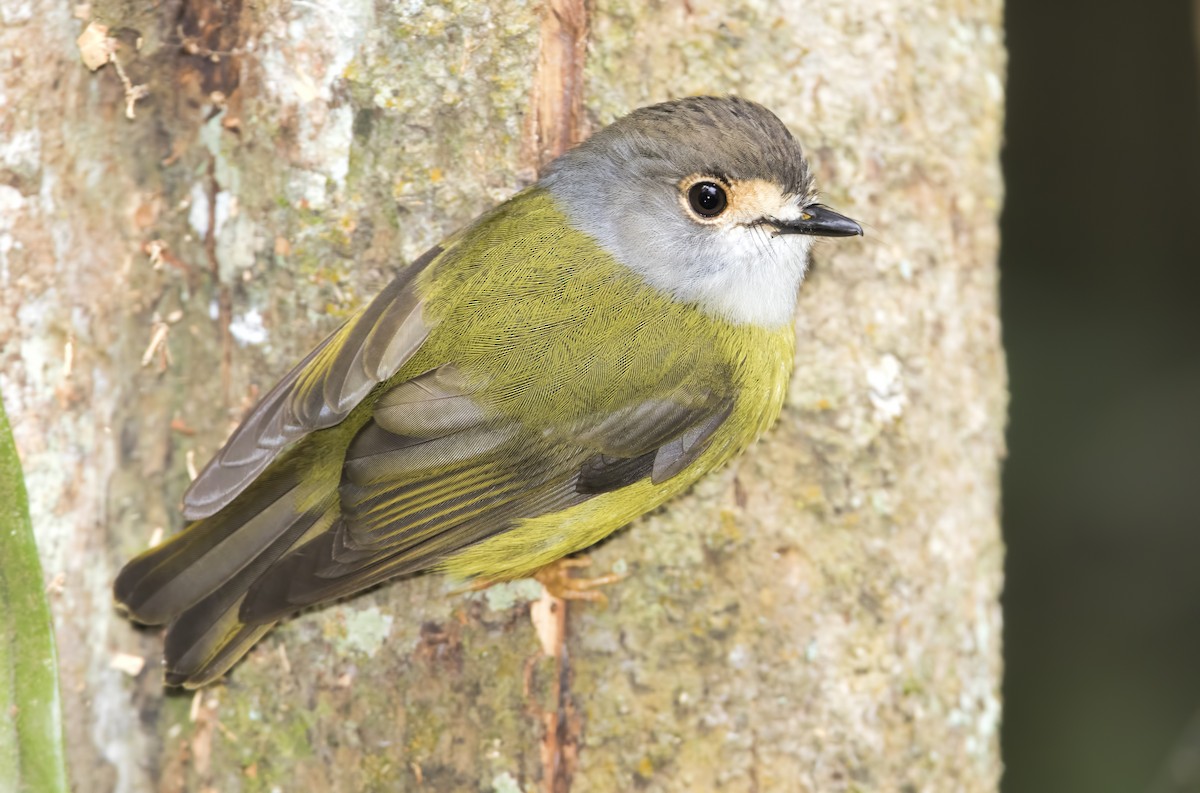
{"x": 572, "y": 359}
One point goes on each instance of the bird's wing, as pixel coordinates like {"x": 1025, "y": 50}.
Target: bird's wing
{"x": 434, "y": 472}
{"x": 319, "y": 392}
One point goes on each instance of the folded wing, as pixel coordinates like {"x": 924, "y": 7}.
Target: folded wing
{"x": 434, "y": 472}
{"x": 320, "y": 392}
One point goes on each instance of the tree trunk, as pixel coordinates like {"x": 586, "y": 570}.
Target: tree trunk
{"x": 820, "y": 616}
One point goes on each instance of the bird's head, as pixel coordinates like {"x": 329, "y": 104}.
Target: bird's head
{"x": 708, "y": 198}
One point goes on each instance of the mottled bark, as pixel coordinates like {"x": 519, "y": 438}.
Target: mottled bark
{"x": 822, "y": 615}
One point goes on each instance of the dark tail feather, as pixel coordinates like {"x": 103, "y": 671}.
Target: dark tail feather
{"x": 196, "y": 580}
{"x": 207, "y": 654}
{"x": 210, "y": 636}
{"x": 159, "y": 584}
{"x": 300, "y": 579}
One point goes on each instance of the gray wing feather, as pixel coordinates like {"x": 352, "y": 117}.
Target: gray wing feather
{"x": 633, "y": 430}
{"x": 682, "y": 450}
{"x": 431, "y": 405}
{"x": 247, "y": 453}
{"x": 320, "y": 392}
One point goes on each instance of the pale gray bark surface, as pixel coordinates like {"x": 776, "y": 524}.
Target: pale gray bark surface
{"x": 821, "y": 616}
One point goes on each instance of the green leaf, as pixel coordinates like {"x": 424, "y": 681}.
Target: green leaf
{"x": 31, "y": 742}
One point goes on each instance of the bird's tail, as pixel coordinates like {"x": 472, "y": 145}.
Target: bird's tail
{"x": 196, "y": 581}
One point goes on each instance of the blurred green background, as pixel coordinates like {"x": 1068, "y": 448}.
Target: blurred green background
{"x": 1100, "y": 293}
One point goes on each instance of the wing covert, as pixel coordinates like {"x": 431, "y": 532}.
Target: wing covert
{"x": 319, "y": 392}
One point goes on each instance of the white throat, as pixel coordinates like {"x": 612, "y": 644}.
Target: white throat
{"x": 756, "y": 282}
{"x": 745, "y": 274}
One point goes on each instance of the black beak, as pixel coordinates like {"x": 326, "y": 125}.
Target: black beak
{"x": 819, "y": 221}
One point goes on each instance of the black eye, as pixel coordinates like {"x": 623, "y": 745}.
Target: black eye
{"x": 707, "y": 199}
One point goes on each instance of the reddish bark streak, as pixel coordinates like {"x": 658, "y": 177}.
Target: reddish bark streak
{"x": 557, "y": 124}
{"x": 558, "y": 86}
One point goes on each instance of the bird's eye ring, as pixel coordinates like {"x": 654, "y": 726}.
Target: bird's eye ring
{"x": 707, "y": 199}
